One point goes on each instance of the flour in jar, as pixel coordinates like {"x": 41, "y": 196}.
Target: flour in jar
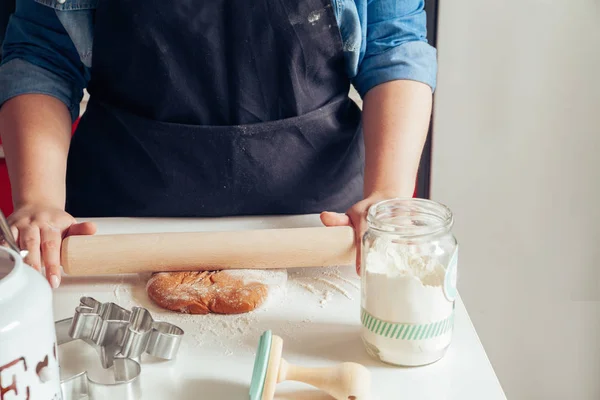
{"x": 407, "y": 319}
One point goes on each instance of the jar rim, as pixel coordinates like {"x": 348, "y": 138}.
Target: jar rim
{"x": 440, "y": 217}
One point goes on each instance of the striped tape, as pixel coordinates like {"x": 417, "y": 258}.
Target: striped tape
{"x": 406, "y": 331}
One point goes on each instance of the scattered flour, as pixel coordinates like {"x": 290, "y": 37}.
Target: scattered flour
{"x": 325, "y": 300}
{"x": 117, "y": 288}
{"x": 221, "y": 333}
{"x": 354, "y": 283}
{"x": 240, "y": 332}
{"x": 324, "y": 283}
{"x": 308, "y": 287}
{"x": 334, "y": 286}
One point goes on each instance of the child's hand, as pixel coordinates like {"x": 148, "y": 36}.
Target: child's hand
{"x": 40, "y": 229}
{"x": 356, "y": 217}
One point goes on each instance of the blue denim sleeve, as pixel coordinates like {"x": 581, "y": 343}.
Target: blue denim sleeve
{"x": 39, "y": 57}
{"x": 396, "y": 45}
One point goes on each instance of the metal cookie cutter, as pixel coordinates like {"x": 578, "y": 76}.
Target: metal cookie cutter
{"x": 121, "y": 337}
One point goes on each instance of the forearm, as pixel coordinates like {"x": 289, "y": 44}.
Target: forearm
{"x": 396, "y": 118}
{"x": 35, "y": 131}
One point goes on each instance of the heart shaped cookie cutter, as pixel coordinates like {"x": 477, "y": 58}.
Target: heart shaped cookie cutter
{"x": 121, "y": 337}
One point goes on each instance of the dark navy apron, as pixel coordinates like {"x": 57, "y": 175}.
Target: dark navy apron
{"x": 215, "y": 108}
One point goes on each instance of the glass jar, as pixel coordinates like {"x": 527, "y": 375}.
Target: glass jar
{"x": 408, "y": 274}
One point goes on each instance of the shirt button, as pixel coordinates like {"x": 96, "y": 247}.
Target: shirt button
{"x": 61, "y": 1}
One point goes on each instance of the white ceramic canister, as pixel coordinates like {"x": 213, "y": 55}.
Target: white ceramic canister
{"x": 28, "y": 350}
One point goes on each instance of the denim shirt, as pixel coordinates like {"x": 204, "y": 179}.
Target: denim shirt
{"x": 48, "y": 46}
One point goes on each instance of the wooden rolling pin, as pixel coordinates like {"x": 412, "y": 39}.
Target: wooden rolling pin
{"x": 197, "y": 251}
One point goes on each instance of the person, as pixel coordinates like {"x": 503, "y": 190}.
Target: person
{"x": 209, "y": 108}
{"x": 7, "y": 7}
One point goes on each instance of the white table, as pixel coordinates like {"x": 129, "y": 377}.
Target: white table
{"x": 217, "y": 353}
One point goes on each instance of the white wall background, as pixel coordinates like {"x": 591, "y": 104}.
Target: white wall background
{"x": 517, "y": 157}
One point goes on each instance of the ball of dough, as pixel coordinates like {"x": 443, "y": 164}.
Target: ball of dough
{"x": 203, "y": 292}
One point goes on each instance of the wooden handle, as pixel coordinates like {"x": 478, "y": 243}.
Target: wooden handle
{"x": 262, "y": 248}
{"x": 344, "y": 381}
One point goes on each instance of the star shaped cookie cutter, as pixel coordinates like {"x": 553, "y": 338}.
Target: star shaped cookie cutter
{"x": 121, "y": 337}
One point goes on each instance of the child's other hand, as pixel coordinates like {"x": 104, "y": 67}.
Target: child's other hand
{"x": 355, "y": 217}
{"x": 40, "y": 229}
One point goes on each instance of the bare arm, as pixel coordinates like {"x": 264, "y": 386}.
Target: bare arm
{"x": 396, "y": 118}
{"x": 35, "y": 132}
